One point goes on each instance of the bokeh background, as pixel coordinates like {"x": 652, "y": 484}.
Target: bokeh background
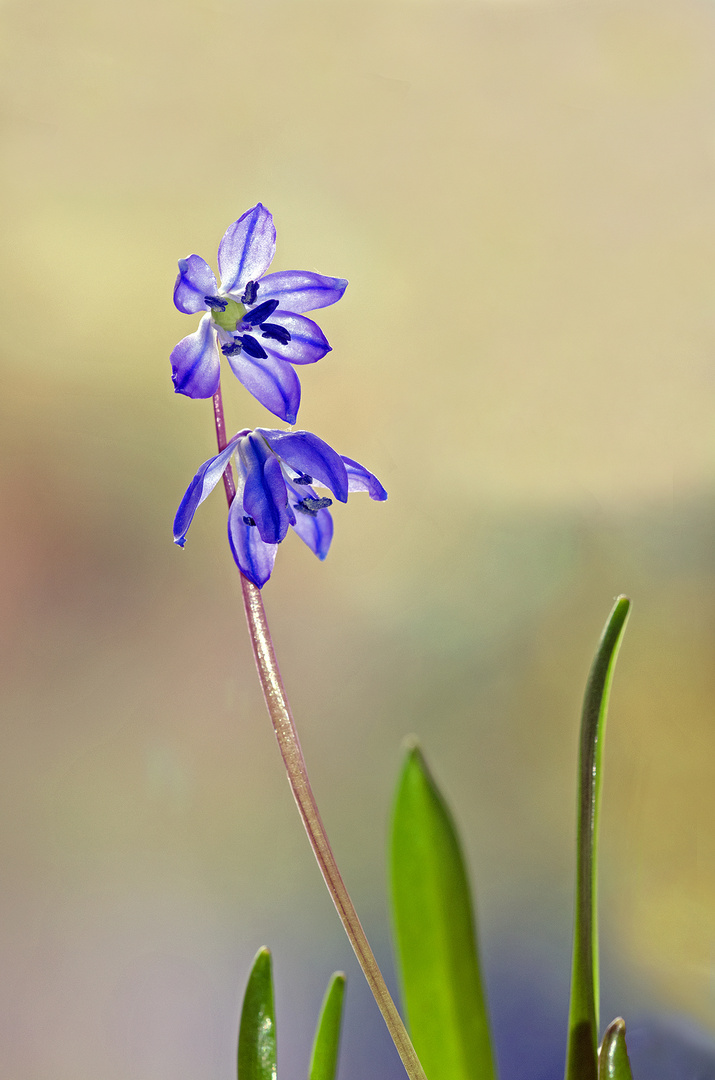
{"x": 523, "y": 198}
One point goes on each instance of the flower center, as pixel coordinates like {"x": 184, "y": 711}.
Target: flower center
{"x": 230, "y": 317}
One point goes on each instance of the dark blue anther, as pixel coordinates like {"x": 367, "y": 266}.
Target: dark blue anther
{"x": 311, "y": 506}
{"x": 303, "y": 479}
{"x": 250, "y": 293}
{"x": 215, "y": 303}
{"x": 251, "y": 346}
{"x": 233, "y": 347}
{"x": 260, "y": 313}
{"x": 273, "y": 330}
{"x": 248, "y": 520}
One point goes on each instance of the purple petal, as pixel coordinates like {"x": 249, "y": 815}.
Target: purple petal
{"x": 272, "y": 381}
{"x": 195, "y": 363}
{"x": 359, "y": 479}
{"x": 252, "y": 555}
{"x": 307, "y": 342}
{"x": 195, "y": 281}
{"x": 306, "y": 453}
{"x": 247, "y": 249}
{"x": 316, "y": 530}
{"x": 202, "y": 485}
{"x": 265, "y": 497}
{"x": 300, "y": 290}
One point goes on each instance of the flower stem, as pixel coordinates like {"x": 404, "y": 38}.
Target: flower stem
{"x": 289, "y": 745}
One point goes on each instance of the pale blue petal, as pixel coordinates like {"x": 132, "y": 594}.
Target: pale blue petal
{"x": 252, "y": 555}
{"x": 300, "y": 290}
{"x": 306, "y": 453}
{"x": 195, "y": 282}
{"x": 272, "y": 381}
{"x": 307, "y": 342}
{"x": 195, "y": 362}
{"x": 247, "y": 249}
{"x": 359, "y": 479}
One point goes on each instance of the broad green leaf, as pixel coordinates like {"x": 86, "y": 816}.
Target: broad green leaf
{"x": 436, "y": 939}
{"x": 324, "y": 1059}
{"x": 613, "y": 1063}
{"x": 257, "y": 1033}
{"x": 582, "y": 1052}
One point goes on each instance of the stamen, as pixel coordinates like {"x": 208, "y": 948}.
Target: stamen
{"x": 311, "y": 506}
{"x": 273, "y": 330}
{"x": 303, "y": 479}
{"x": 248, "y": 520}
{"x": 250, "y": 293}
{"x": 215, "y": 303}
{"x": 260, "y": 313}
{"x": 251, "y": 346}
{"x": 233, "y": 347}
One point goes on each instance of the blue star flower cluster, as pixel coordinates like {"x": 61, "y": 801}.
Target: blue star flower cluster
{"x": 256, "y": 321}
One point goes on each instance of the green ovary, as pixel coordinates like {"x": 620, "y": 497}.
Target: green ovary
{"x": 230, "y": 318}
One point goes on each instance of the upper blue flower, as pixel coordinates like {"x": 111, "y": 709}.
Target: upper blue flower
{"x": 253, "y": 318}
{"x": 276, "y": 475}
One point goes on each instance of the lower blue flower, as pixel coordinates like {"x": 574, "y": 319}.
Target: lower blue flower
{"x": 276, "y": 476}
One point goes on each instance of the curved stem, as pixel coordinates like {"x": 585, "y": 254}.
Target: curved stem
{"x": 289, "y": 745}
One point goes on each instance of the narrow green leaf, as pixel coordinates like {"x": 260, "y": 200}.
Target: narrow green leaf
{"x": 582, "y": 1052}
{"x": 436, "y": 938}
{"x": 324, "y": 1059}
{"x": 613, "y": 1063}
{"x": 257, "y": 1033}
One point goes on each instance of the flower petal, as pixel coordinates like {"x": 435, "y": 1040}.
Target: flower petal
{"x": 252, "y": 555}
{"x": 359, "y": 479}
{"x": 306, "y": 453}
{"x": 300, "y": 290}
{"x": 265, "y": 497}
{"x": 195, "y": 281}
{"x": 272, "y": 381}
{"x": 195, "y": 363}
{"x": 316, "y": 530}
{"x": 247, "y": 249}
{"x": 202, "y": 485}
{"x": 307, "y": 342}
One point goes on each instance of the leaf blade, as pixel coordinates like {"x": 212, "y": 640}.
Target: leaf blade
{"x": 435, "y": 932}
{"x": 257, "y": 1031}
{"x": 326, "y": 1045}
{"x": 582, "y": 1046}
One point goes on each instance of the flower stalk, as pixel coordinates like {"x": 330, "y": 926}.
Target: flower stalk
{"x": 289, "y": 744}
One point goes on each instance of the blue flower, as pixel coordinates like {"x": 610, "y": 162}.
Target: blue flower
{"x": 255, "y": 319}
{"x": 277, "y": 473}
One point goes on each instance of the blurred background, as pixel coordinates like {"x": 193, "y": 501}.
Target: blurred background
{"x": 523, "y": 198}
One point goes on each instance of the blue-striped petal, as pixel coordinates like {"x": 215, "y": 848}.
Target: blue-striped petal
{"x": 265, "y": 497}
{"x": 195, "y": 362}
{"x": 307, "y": 342}
{"x": 200, "y": 487}
{"x": 359, "y": 479}
{"x": 252, "y": 555}
{"x": 315, "y": 530}
{"x": 195, "y": 282}
{"x": 272, "y": 381}
{"x": 306, "y": 453}
{"x": 247, "y": 250}
{"x": 301, "y": 290}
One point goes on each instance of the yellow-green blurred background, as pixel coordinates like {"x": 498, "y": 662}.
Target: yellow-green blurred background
{"x": 523, "y": 198}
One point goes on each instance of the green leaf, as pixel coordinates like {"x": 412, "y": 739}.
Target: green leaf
{"x": 613, "y": 1063}
{"x": 582, "y": 1054}
{"x": 436, "y": 939}
{"x": 324, "y": 1059}
{"x": 257, "y": 1033}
